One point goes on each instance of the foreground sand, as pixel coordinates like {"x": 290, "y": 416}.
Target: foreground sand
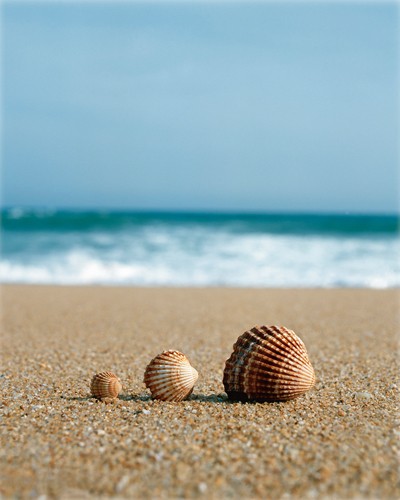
{"x": 339, "y": 440}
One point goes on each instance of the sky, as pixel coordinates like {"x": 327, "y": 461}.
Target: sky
{"x": 209, "y": 106}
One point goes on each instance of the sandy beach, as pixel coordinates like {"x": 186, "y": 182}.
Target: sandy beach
{"x": 340, "y": 440}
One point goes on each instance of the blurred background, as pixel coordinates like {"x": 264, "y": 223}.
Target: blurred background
{"x": 200, "y": 143}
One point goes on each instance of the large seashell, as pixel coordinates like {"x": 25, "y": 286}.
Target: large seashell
{"x": 268, "y": 363}
{"x": 170, "y": 376}
{"x": 105, "y": 385}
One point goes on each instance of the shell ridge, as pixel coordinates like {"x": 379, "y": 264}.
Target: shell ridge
{"x": 278, "y": 359}
{"x": 283, "y": 343}
{"x": 170, "y": 376}
{"x": 268, "y": 363}
{"x": 278, "y": 343}
{"x": 105, "y": 385}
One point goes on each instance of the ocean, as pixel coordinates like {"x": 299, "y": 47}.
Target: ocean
{"x": 72, "y": 247}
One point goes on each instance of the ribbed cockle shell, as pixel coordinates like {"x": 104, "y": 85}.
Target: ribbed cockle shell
{"x": 170, "y": 376}
{"x": 268, "y": 363}
{"x": 105, "y": 385}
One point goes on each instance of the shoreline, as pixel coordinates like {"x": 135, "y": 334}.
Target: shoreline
{"x": 337, "y": 440}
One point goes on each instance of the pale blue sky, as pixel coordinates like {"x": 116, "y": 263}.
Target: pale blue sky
{"x": 216, "y": 106}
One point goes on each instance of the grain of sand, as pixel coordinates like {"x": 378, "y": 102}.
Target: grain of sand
{"x": 340, "y": 440}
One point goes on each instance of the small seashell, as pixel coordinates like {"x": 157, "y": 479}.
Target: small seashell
{"x": 268, "y": 363}
{"x": 105, "y": 385}
{"x": 170, "y": 376}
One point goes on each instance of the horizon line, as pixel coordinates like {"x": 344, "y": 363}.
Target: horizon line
{"x": 198, "y": 211}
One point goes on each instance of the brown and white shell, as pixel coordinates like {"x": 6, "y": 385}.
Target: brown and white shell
{"x": 268, "y": 363}
{"x": 105, "y": 385}
{"x": 170, "y": 376}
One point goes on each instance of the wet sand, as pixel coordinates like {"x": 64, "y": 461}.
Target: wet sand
{"x": 340, "y": 440}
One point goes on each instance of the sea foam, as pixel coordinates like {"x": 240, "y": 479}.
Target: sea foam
{"x": 157, "y": 251}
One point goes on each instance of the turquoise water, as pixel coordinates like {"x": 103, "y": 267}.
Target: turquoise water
{"x": 199, "y": 249}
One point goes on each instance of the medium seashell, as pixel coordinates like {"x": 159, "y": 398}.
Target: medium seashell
{"x": 170, "y": 376}
{"x": 105, "y": 385}
{"x": 268, "y": 363}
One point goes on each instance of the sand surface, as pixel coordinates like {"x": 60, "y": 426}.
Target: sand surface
{"x": 340, "y": 440}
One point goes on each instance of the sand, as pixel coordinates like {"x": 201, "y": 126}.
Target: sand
{"x": 339, "y": 440}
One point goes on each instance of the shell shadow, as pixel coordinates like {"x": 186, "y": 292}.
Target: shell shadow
{"x": 123, "y": 397}
{"x": 78, "y": 398}
{"x": 210, "y": 398}
{"x": 135, "y": 397}
{"x": 223, "y": 398}
{"x": 205, "y": 398}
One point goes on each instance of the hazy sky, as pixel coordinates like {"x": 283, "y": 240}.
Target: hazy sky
{"x": 241, "y": 106}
